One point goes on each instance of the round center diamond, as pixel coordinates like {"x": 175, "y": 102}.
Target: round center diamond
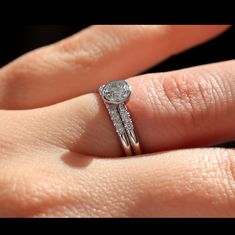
{"x": 116, "y": 91}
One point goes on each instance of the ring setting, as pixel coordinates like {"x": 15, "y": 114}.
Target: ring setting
{"x": 114, "y": 95}
{"x": 116, "y": 92}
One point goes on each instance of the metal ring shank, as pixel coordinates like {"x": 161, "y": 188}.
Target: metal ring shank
{"x": 120, "y": 129}
{"x": 122, "y": 122}
{"x": 129, "y": 128}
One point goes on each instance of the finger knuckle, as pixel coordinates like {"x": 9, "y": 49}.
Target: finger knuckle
{"x": 12, "y": 81}
{"x": 187, "y": 95}
{"x": 15, "y": 79}
{"x": 24, "y": 65}
{"x": 190, "y": 96}
{"x": 84, "y": 50}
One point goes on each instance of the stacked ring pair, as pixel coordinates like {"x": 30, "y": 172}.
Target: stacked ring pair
{"x": 114, "y": 95}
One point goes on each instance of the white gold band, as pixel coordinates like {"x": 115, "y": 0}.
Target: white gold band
{"x": 112, "y": 94}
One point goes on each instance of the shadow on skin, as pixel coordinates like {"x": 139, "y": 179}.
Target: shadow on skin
{"x": 96, "y": 144}
{"x": 76, "y": 160}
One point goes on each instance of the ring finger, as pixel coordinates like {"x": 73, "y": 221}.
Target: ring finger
{"x": 185, "y": 108}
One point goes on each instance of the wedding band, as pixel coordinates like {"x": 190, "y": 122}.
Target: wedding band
{"x": 114, "y": 94}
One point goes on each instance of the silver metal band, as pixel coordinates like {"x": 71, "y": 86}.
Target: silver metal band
{"x": 119, "y": 127}
{"x": 120, "y": 116}
{"x": 129, "y": 127}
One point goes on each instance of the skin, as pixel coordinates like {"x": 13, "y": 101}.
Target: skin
{"x": 60, "y": 156}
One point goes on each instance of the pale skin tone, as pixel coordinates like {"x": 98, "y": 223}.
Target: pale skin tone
{"x": 60, "y": 156}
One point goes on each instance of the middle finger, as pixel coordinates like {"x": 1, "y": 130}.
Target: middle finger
{"x": 79, "y": 64}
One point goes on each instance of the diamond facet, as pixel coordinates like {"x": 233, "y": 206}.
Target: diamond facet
{"x": 116, "y": 91}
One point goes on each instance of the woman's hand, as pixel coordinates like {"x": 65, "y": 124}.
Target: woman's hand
{"x": 60, "y": 154}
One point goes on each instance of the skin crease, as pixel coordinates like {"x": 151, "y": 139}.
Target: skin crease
{"x": 52, "y": 166}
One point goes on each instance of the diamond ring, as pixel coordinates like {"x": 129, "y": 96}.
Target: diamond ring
{"x": 114, "y": 94}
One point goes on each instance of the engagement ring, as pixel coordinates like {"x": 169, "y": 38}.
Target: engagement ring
{"x": 114, "y": 94}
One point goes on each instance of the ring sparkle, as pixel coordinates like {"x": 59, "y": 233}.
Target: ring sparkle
{"x": 114, "y": 94}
